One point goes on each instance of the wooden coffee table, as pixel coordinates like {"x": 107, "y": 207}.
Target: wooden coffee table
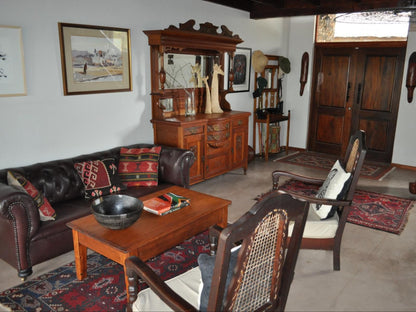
{"x": 150, "y": 235}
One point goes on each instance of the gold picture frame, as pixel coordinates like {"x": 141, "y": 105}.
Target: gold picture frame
{"x": 95, "y": 59}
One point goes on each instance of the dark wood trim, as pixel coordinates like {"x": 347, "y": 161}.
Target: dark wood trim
{"x": 260, "y": 9}
{"x": 406, "y": 167}
{"x": 372, "y": 44}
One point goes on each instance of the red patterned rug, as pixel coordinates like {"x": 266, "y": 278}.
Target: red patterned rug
{"x": 374, "y": 210}
{"x": 370, "y": 170}
{"x": 103, "y": 289}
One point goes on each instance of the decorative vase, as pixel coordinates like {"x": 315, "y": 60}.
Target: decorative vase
{"x": 190, "y": 104}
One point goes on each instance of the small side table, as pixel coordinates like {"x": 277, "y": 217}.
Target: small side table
{"x": 270, "y": 119}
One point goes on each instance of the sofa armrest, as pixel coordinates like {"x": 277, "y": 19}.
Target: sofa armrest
{"x": 18, "y": 207}
{"x": 19, "y": 222}
{"x": 174, "y": 165}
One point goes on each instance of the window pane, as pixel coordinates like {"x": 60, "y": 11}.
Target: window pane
{"x": 363, "y": 26}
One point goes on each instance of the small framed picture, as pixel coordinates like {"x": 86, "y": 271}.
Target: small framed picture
{"x": 95, "y": 59}
{"x": 241, "y": 66}
{"x": 12, "y": 65}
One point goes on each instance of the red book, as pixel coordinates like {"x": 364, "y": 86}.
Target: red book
{"x": 156, "y": 205}
{"x": 165, "y": 203}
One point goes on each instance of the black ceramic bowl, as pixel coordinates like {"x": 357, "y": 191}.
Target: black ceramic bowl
{"x": 117, "y": 212}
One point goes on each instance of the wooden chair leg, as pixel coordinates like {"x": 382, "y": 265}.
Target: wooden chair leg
{"x": 260, "y": 139}
{"x": 337, "y": 258}
{"x": 266, "y": 152}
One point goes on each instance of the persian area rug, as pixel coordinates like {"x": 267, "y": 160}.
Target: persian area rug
{"x": 374, "y": 210}
{"x": 103, "y": 289}
{"x": 370, "y": 170}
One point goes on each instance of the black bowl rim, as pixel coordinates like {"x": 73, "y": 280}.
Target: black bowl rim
{"x": 139, "y": 208}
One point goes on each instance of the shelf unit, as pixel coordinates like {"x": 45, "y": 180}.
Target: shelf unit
{"x": 267, "y": 108}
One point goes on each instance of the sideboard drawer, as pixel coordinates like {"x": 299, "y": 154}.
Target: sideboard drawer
{"x": 215, "y": 148}
{"x": 218, "y": 126}
{"x": 240, "y": 122}
{"x": 193, "y": 130}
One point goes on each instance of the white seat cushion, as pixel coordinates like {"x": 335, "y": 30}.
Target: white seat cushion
{"x": 317, "y": 228}
{"x": 186, "y": 285}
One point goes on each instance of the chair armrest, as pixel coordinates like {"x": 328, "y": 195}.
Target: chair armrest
{"x": 214, "y": 234}
{"x": 321, "y": 201}
{"x": 175, "y": 164}
{"x": 135, "y": 267}
{"x": 277, "y": 174}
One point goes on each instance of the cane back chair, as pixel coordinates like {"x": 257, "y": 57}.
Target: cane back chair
{"x": 260, "y": 276}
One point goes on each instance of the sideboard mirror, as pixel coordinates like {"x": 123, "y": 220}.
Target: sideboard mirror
{"x": 180, "y": 69}
{"x": 174, "y": 54}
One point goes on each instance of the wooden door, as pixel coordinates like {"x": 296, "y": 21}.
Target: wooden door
{"x": 356, "y": 87}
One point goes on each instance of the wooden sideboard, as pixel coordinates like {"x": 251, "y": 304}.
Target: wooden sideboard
{"x": 219, "y": 141}
{"x": 180, "y": 59}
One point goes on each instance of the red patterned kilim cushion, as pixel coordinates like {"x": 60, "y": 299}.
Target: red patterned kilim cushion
{"x": 139, "y": 166}
{"x": 99, "y": 177}
{"x": 46, "y": 211}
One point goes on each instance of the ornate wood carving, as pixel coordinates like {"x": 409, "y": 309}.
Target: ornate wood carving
{"x": 411, "y": 77}
{"x": 204, "y": 28}
{"x": 304, "y": 72}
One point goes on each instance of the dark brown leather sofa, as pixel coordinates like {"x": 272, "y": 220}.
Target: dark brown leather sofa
{"x": 26, "y": 241}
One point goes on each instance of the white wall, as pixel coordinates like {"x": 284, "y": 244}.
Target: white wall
{"x": 301, "y": 40}
{"x": 405, "y": 142}
{"x": 45, "y": 125}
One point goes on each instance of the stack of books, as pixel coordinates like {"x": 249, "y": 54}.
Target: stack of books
{"x": 165, "y": 204}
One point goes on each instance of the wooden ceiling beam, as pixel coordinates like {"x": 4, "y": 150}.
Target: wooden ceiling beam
{"x": 244, "y": 5}
{"x": 260, "y": 9}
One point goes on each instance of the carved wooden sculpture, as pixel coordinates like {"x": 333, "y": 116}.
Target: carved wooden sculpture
{"x": 215, "y": 103}
{"x": 208, "y": 105}
{"x": 411, "y": 77}
{"x": 196, "y": 76}
{"x": 304, "y": 72}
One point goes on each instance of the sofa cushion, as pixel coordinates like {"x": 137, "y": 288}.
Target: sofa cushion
{"x": 46, "y": 211}
{"x": 99, "y": 177}
{"x": 334, "y": 187}
{"x": 139, "y": 166}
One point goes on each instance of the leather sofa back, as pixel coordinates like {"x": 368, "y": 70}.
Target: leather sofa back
{"x": 59, "y": 181}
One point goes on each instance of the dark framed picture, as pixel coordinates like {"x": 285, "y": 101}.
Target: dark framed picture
{"x": 95, "y": 59}
{"x": 241, "y": 67}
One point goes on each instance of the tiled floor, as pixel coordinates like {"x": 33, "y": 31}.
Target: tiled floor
{"x": 378, "y": 269}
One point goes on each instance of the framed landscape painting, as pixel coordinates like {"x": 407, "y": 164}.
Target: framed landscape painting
{"x": 12, "y": 69}
{"x": 241, "y": 68}
{"x": 95, "y": 59}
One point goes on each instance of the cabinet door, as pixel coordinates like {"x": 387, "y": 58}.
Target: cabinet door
{"x": 196, "y": 143}
{"x": 218, "y": 146}
{"x": 218, "y": 160}
{"x": 239, "y": 150}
